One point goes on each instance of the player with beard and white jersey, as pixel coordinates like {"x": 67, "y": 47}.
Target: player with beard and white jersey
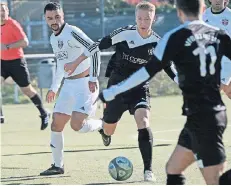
{"x": 134, "y": 45}
{"x": 219, "y": 15}
{"x": 75, "y": 100}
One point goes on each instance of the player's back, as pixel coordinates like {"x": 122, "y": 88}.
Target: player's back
{"x": 198, "y": 62}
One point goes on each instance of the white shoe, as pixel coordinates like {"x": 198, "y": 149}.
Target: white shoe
{"x": 149, "y": 176}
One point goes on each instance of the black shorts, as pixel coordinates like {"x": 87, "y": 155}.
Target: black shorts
{"x": 203, "y": 134}
{"x": 132, "y": 100}
{"x": 17, "y": 69}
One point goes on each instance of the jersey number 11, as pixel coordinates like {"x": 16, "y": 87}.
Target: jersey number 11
{"x": 203, "y": 52}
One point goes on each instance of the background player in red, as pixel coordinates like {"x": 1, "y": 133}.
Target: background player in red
{"x": 13, "y": 63}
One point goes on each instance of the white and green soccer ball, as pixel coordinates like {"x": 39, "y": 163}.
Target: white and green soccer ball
{"x": 120, "y": 168}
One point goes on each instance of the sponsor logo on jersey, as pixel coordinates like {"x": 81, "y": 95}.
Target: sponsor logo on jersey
{"x": 132, "y": 42}
{"x": 150, "y": 51}
{"x": 133, "y": 59}
{"x": 62, "y": 55}
{"x": 60, "y": 44}
{"x": 225, "y": 22}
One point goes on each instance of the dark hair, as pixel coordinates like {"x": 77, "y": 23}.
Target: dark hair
{"x": 52, "y": 6}
{"x": 190, "y": 7}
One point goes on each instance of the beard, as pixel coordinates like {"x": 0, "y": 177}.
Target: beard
{"x": 55, "y": 27}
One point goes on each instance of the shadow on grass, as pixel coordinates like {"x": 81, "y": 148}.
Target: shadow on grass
{"x": 28, "y": 178}
{"x": 85, "y": 150}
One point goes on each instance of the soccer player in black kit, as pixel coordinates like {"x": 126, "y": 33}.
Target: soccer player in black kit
{"x": 197, "y": 50}
{"x": 134, "y": 45}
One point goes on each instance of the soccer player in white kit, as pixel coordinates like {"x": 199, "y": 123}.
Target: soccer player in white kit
{"x": 219, "y": 15}
{"x": 75, "y": 100}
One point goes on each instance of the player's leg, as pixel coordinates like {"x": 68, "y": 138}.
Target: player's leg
{"x": 145, "y": 140}
{"x": 113, "y": 111}
{"x": 57, "y": 144}
{"x": 62, "y": 114}
{"x": 85, "y": 106}
{"x": 180, "y": 159}
{"x": 182, "y": 156}
{"x": 4, "y": 75}
{"x": 20, "y": 74}
{"x": 210, "y": 152}
{"x": 1, "y": 112}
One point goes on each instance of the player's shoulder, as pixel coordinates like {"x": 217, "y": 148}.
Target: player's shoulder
{"x": 13, "y": 22}
{"x": 177, "y": 33}
{"x": 73, "y": 28}
{"x": 123, "y": 30}
{"x": 155, "y": 35}
{"x": 207, "y": 11}
{"x": 227, "y": 10}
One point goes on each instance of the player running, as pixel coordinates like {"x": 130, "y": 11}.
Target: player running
{"x": 134, "y": 45}
{"x": 197, "y": 50}
{"x": 13, "y": 63}
{"x": 75, "y": 101}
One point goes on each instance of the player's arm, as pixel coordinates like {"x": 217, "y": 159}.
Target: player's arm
{"x": 227, "y": 46}
{"x": 80, "y": 39}
{"x": 19, "y": 34}
{"x": 170, "y": 70}
{"x": 59, "y": 74}
{"x": 162, "y": 55}
{"x": 104, "y": 43}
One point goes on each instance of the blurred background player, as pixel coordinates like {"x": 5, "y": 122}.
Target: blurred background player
{"x": 219, "y": 15}
{"x": 134, "y": 45}
{"x": 13, "y": 63}
{"x": 197, "y": 50}
{"x": 75, "y": 100}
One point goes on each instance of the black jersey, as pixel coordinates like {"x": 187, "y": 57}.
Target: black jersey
{"x": 197, "y": 50}
{"x": 132, "y": 51}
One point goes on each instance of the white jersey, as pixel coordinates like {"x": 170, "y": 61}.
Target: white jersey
{"x": 221, "y": 20}
{"x": 67, "y": 46}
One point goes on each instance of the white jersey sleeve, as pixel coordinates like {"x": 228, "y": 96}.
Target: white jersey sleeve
{"x": 113, "y": 38}
{"x": 82, "y": 39}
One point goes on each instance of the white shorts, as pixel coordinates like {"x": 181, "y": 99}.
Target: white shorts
{"x": 76, "y": 96}
{"x": 225, "y": 71}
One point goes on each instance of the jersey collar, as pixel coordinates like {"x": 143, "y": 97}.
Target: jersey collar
{"x": 60, "y": 30}
{"x": 217, "y": 12}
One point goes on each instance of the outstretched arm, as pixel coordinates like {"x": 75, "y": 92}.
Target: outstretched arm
{"x": 139, "y": 77}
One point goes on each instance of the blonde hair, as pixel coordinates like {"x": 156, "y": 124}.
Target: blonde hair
{"x": 4, "y": 3}
{"x": 145, "y": 5}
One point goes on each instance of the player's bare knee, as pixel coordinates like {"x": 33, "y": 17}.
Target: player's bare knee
{"x": 77, "y": 125}
{"x": 57, "y": 124}
{"x": 108, "y": 131}
{"x": 29, "y": 91}
{"x": 55, "y": 127}
{"x": 171, "y": 169}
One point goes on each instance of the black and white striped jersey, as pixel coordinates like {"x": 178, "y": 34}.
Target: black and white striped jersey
{"x": 132, "y": 51}
{"x": 67, "y": 46}
{"x": 197, "y": 50}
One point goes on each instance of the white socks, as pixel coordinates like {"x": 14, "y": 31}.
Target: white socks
{"x": 91, "y": 125}
{"x": 57, "y": 141}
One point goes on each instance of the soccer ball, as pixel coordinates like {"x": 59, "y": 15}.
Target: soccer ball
{"x": 120, "y": 168}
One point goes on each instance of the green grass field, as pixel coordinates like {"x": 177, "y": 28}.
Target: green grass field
{"x": 25, "y": 150}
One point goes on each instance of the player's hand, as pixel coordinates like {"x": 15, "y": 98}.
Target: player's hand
{"x": 70, "y": 67}
{"x": 50, "y": 96}
{"x": 92, "y": 86}
{"x": 3, "y": 46}
{"x": 107, "y": 95}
